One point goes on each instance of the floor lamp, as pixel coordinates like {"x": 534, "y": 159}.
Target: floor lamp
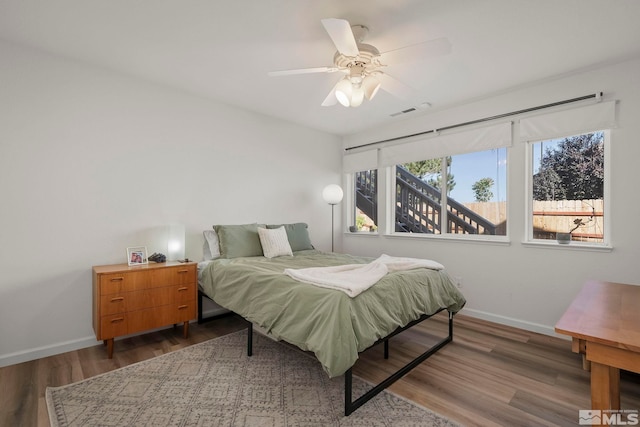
{"x": 332, "y": 194}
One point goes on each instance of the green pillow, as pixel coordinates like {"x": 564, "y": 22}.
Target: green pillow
{"x": 238, "y": 240}
{"x": 298, "y": 235}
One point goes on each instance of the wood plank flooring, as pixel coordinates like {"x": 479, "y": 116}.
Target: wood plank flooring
{"x": 490, "y": 375}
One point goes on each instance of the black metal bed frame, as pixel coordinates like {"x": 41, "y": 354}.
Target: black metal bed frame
{"x": 206, "y": 319}
{"x": 351, "y": 405}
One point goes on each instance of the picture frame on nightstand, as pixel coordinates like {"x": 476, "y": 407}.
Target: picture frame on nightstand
{"x": 137, "y": 255}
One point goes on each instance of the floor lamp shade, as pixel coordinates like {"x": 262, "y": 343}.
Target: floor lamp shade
{"x": 332, "y": 194}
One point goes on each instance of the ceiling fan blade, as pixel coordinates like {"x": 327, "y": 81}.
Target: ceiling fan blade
{"x": 394, "y": 86}
{"x": 417, "y": 52}
{"x": 331, "y": 99}
{"x": 340, "y": 32}
{"x": 303, "y": 71}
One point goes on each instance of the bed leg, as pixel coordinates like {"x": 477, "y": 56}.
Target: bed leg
{"x": 199, "y": 307}
{"x": 250, "y": 339}
{"x": 386, "y": 349}
{"x": 450, "y": 325}
{"x": 348, "y": 383}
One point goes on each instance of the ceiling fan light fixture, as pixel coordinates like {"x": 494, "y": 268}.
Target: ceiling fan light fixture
{"x": 344, "y": 91}
{"x": 357, "y": 96}
{"x": 370, "y": 85}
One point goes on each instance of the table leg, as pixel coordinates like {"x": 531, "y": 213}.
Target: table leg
{"x": 605, "y": 387}
{"x": 615, "y": 388}
{"x": 185, "y": 330}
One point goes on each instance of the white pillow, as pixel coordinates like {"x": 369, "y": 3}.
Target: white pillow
{"x": 274, "y": 242}
{"x": 211, "y": 247}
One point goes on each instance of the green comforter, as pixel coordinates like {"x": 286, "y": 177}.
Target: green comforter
{"x": 327, "y": 322}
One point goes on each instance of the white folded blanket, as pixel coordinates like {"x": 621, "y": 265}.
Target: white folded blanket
{"x": 353, "y": 279}
{"x": 402, "y": 263}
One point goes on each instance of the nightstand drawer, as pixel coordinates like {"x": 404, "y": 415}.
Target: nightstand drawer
{"x": 185, "y": 292}
{"x": 178, "y": 275}
{"x": 113, "y": 326}
{"x": 151, "y": 318}
{"x": 185, "y": 311}
{"x": 137, "y": 300}
{"x": 123, "y": 282}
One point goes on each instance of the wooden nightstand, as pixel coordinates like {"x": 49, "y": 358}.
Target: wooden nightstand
{"x": 127, "y": 299}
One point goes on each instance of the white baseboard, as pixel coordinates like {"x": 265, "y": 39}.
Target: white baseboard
{"x": 509, "y": 321}
{"x": 45, "y": 351}
{"x": 58, "y": 348}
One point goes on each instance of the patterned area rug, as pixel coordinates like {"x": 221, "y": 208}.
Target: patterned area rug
{"x": 215, "y": 384}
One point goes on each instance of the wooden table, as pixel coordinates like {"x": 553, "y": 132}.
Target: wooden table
{"x": 604, "y": 323}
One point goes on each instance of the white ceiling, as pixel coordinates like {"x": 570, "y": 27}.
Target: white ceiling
{"x": 223, "y": 49}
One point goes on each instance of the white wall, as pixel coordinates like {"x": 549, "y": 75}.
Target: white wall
{"x": 91, "y": 159}
{"x": 522, "y": 285}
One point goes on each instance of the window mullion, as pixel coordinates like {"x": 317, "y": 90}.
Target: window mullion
{"x": 444, "y": 212}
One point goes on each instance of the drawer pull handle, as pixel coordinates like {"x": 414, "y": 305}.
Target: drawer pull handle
{"x": 183, "y": 271}
{"x": 184, "y": 288}
{"x": 118, "y": 319}
{"x": 182, "y": 307}
{"x": 116, "y": 299}
{"x": 117, "y": 279}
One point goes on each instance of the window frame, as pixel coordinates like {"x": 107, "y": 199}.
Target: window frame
{"x": 528, "y": 239}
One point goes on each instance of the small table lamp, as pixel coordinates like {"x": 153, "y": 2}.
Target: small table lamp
{"x": 175, "y": 242}
{"x": 332, "y": 194}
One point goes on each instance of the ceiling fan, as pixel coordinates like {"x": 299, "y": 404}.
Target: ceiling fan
{"x": 362, "y": 64}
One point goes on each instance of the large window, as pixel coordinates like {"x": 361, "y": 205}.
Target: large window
{"x": 568, "y": 188}
{"x": 458, "y": 194}
{"x": 453, "y": 181}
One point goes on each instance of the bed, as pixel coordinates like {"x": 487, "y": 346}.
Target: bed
{"x": 333, "y": 325}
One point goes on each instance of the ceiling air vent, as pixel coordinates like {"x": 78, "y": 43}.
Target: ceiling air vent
{"x": 408, "y": 110}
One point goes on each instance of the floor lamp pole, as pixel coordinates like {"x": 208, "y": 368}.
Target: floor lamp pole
{"x": 332, "y": 194}
{"x": 332, "y": 230}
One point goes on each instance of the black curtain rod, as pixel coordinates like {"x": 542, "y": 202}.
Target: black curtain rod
{"x": 485, "y": 119}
